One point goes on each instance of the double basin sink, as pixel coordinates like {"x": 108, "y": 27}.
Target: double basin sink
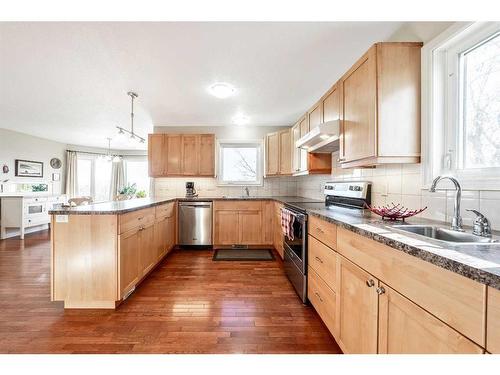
{"x": 446, "y": 235}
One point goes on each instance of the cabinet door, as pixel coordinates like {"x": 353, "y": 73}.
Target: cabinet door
{"x": 359, "y": 109}
{"x": 278, "y": 233}
{"x": 148, "y": 253}
{"x": 156, "y": 153}
{"x": 314, "y": 116}
{"x": 405, "y": 328}
{"x": 493, "y": 321}
{"x": 268, "y": 222}
{"x": 226, "y": 229}
{"x": 161, "y": 237}
{"x": 272, "y": 154}
{"x": 170, "y": 230}
{"x": 285, "y": 148}
{"x": 331, "y": 105}
{"x": 250, "y": 227}
{"x": 190, "y": 155}
{"x": 173, "y": 147}
{"x": 295, "y": 150}
{"x": 304, "y": 126}
{"x": 129, "y": 261}
{"x": 207, "y": 155}
{"x": 357, "y": 309}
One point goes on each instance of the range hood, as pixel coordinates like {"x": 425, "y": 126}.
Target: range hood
{"x": 324, "y": 138}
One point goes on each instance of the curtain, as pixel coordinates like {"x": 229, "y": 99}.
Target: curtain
{"x": 117, "y": 179}
{"x": 71, "y": 174}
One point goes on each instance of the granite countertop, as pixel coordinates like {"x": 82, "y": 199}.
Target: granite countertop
{"x": 121, "y": 207}
{"x": 479, "y": 262}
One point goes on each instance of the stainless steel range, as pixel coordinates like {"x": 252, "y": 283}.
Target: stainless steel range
{"x": 345, "y": 194}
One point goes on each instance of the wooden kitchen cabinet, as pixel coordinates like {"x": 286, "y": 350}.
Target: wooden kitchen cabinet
{"x": 304, "y": 126}
{"x": 295, "y": 150}
{"x": 323, "y": 298}
{"x": 331, "y": 104}
{"x": 357, "y": 309}
{"x": 148, "y": 255}
{"x": 161, "y": 233}
{"x": 285, "y": 152}
{"x": 278, "y": 232}
{"x": 130, "y": 272}
{"x": 226, "y": 227}
{"x": 181, "y": 155}
{"x": 250, "y": 227}
{"x": 174, "y": 154}
{"x": 380, "y": 107}
{"x": 268, "y": 221}
{"x": 315, "y": 116}
{"x": 406, "y": 328}
{"x": 272, "y": 154}
{"x": 493, "y": 321}
{"x": 190, "y": 155}
{"x": 156, "y": 155}
{"x": 207, "y": 155}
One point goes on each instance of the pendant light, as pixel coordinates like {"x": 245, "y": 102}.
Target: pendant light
{"x": 131, "y": 132}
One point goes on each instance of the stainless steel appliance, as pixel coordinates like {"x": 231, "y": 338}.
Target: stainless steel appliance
{"x": 337, "y": 194}
{"x": 190, "y": 190}
{"x": 195, "y": 223}
{"x": 295, "y": 251}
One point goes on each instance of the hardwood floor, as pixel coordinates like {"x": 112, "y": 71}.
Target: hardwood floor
{"x": 189, "y": 304}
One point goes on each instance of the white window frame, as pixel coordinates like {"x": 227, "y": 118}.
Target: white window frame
{"x": 260, "y": 161}
{"x": 440, "y": 106}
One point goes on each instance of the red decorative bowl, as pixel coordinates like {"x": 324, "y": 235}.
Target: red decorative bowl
{"x": 396, "y": 212}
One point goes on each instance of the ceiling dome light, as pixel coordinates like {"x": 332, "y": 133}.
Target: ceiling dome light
{"x": 221, "y": 90}
{"x": 241, "y": 120}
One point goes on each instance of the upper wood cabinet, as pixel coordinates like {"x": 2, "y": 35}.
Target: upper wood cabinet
{"x": 304, "y": 125}
{"x": 285, "y": 164}
{"x": 331, "y": 104}
{"x": 380, "y": 107}
{"x": 315, "y": 115}
{"x": 190, "y": 155}
{"x": 279, "y": 153}
{"x": 272, "y": 154}
{"x": 295, "y": 150}
{"x": 181, "y": 155}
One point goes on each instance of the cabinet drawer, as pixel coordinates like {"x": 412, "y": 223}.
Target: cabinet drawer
{"x": 456, "y": 300}
{"x": 165, "y": 210}
{"x": 324, "y": 231}
{"x": 323, "y": 260}
{"x": 135, "y": 219}
{"x": 238, "y": 205}
{"x": 322, "y": 298}
{"x": 36, "y": 220}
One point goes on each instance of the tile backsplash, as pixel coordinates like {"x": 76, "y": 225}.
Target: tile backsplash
{"x": 401, "y": 183}
{"x": 207, "y": 187}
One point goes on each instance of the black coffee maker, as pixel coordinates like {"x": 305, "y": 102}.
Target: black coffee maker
{"x": 190, "y": 190}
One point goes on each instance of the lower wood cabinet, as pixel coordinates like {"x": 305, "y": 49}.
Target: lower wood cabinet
{"x": 242, "y": 223}
{"x": 357, "y": 310}
{"x": 129, "y": 261}
{"x": 406, "y": 328}
{"x": 323, "y": 298}
{"x": 147, "y": 249}
{"x": 493, "y": 321}
{"x": 278, "y": 232}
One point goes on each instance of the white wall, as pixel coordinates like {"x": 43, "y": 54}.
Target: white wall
{"x": 14, "y": 145}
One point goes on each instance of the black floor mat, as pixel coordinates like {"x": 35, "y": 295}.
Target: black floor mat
{"x": 243, "y": 254}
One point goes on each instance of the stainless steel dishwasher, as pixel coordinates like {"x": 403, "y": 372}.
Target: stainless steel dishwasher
{"x": 195, "y": 223}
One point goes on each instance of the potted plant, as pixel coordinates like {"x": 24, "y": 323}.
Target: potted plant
{"x": 127, "y": 192}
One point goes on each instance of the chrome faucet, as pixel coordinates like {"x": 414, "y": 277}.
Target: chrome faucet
{"x": 456, "y": 222}
{"x": 247, "y": 190}
{"x": 482, "y": 225}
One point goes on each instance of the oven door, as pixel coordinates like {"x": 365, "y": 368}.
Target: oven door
{"x": 298, "y": 245}
{"x": 35, "y": 208}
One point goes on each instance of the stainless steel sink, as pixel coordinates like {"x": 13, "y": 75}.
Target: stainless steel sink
{"x": 446, "y": 235}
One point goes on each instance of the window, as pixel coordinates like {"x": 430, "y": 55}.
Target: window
{"x": 461, "y": 105}
{"x": 240, "y": 163}
{"x": 136, "y": 172}
{"x": 94, "y": 177}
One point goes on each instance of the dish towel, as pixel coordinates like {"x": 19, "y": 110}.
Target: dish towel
{"x": 287, "y": 220}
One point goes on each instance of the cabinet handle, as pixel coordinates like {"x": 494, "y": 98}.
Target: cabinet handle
{"x": 140, "y": 218}
{"x": 370, "y": 283}
{"x": 320, "y": 230}
{"x": 141, "y": 228}
{"x": 340, "y": 159}
{"x": 380, "y": 290}
{"x": 317, "y": 294}
{"x": 318, "y": 259}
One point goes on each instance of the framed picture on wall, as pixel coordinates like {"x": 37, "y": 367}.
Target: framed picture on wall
{"x": 27, "y": 168}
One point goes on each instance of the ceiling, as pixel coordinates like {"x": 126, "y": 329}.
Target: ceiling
{"x": 68, "y": 81}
